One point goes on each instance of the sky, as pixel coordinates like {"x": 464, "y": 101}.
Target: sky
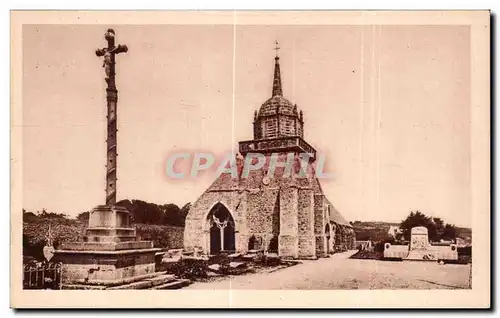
{"x": 389, "y": 106}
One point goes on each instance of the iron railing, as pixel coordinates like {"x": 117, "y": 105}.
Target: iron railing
{"x": 42, "y": 275}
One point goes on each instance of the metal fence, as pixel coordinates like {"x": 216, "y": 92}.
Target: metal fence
{"x": 42, "y": 275}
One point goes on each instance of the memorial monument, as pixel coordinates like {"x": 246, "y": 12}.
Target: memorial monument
{"x": 419, "y": 244}
{"x": 420, "y": 249}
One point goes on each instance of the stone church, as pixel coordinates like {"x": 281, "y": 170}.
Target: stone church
{"x": 290, "y": 216}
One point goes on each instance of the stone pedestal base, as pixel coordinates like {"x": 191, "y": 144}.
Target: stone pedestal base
{"x": 109, "y": 224}
{"x": 110, "y": 253}
{"x": 429, "y": 253}
{"x": 107, "y": 268}
{"x": 434, "y": 253}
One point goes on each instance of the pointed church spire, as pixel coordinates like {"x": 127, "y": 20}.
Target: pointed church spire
{"x": 277, "y": 91}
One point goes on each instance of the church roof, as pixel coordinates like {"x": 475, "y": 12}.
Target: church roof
{"x": 277, "y": 104}
{"x": 336, "y": 217}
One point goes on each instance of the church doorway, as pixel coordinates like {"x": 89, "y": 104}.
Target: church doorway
{"x": 222, "y": 233}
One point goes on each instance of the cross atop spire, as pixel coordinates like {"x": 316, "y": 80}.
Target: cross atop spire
{"x": 277, "y": 91}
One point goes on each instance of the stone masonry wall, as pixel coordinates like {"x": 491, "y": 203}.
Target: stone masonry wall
{"x": 288, "y": 240}
{"x": 319, "y": 224}
{"x": 307, "y": 246}
{"x": 262, "y": 218}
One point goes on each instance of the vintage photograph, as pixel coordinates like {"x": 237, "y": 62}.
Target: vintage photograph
{"x": 229, "y": 153}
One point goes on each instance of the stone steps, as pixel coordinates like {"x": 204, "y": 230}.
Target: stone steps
{"x": 160, "y": 281}
{"x": 146, "y": 283}
{"x": 82, "y": 287}
{"x": 176, "y": 284}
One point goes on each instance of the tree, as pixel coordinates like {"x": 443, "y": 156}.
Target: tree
{"x": 439, "y": 226}
{"x": 450, "y": 232}
{"x": 29, "y": 216}
{"x": 143, "y": 212}
{"x": 173, "y": 215}
{"x": 184, "y": 211}
{"x": 417, "y": 218}
{"x": 151, "y": 213}
{"x": 435, "y": 226}
{"x": 51, "y": 215}
{"x": 83, "y": 217}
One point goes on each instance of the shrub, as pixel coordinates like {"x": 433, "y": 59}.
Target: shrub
{"x": 465, "y": 254}
{"x": 379, "y": 246}
{"x": 163, "y": 236}
{"x": 67, "y": 230}
{"x": 190, "y": 268}
{"x": 35, "y": 234}
{"x": 271, "y": 261}
{"x": 465, "y": 251}
{"x": 365, "y": 254}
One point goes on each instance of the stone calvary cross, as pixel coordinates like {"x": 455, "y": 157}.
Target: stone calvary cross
{"x": 221, "y": 226}
{"x": 109, "y": 54}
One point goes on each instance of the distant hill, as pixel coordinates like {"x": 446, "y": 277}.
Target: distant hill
{"x": 378, "y": 230}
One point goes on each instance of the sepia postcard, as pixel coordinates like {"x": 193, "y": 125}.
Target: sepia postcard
{"x": 250, "y": 159}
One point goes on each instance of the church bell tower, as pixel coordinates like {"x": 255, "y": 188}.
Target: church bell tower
{"x": 278, "y": 126}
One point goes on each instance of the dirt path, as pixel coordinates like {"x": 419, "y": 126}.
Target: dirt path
{"x": 340, "y": 272}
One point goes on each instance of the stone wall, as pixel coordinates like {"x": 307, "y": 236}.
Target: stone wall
{"x": 288, "y": 239}
{"x": 263, "y": 219}
{"x": 319, "y": 224}
{"x": 305, "y": 217}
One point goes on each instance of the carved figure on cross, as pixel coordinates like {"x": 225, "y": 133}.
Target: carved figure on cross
{"x": 220, "y": 225}
{"x": 109, "y": 55}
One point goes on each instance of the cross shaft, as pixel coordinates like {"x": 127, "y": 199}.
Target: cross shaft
{"x": 109, "y": 54}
